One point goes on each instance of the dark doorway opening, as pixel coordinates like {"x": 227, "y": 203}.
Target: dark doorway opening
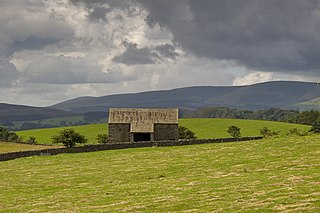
{"x": 141, "y": 137}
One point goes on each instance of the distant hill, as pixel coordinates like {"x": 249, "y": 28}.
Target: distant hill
{"x": 10, "y": 112}
{"x": 277, "y": 94}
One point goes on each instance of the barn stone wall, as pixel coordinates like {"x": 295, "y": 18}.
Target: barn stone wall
{"x": 137, "y": 124}
{"x": 119, "y": 133}
{"x": 164, "y": 132}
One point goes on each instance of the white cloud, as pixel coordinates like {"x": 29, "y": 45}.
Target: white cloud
{"x": 253, "y": 78}
{"x": 70, "y": 70}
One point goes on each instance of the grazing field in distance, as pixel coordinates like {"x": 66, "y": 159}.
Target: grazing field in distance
{"x": 203, "y": 127}
{"x": 44, "y": 135}
{"x": 269, "y": 175}
{"x": 217, "y": 127}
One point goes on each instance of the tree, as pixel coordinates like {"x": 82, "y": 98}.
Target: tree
{"x": 69, "y": 138}
{"x": 296, "y": 132}
{"x": 265, "y": 132}
{"x": 234, "y": 131}
{"x": 308, "y": 117}
{"x": 6, "y": 135}
{"x": 315, "y": 128}
{"x": 185, "y": 133}
{"x": 12, "y": 136}
{"x": 102, "y": 138}
{"x": 32, "y": 140}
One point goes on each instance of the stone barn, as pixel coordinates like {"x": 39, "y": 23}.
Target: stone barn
{"x": 135, "y": 124}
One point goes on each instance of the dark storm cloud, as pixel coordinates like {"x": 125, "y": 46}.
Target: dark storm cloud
{"x": 270, "y": 35}
{"x": 166, "y": 50}
{"x": 27, "y": 25}
{"x": 98, "y": 9}
{"x": 31, "y": 43}
{"x": 111, "y": 3}
{"x": 134, "y": 55}
{"x": 98, "y": 13}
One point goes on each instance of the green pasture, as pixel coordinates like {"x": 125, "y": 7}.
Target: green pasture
{"x": 203, "y": 127}
{"x": 217, "y": 127}
{"x": 270, "y": 175}
{"x": 44, "y": 135}
{"x": 6, "y": 147}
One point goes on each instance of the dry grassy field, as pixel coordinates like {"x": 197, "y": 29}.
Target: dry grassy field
{"x": 270, "y": 175}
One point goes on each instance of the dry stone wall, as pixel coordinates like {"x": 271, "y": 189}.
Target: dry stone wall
{"x": 111, "y": 146}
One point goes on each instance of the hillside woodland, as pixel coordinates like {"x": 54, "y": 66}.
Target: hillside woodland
{"x": 290, "y": 116}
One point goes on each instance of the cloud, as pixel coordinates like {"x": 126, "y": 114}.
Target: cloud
{"x": 59, "y": 49}
{"x": 68, "y": 70}
{"x": 134, "y": 55}
{"x": 29, "y": 25}
{"x": 253, "y": 78}
{"x": 8, "y": 73}
{"x": 98, "y": 13}
{"x": 261, "y": 35}
{"x": 167, "y": 51}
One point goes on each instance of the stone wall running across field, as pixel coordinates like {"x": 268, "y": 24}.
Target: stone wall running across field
{"x": 111, "y": 146}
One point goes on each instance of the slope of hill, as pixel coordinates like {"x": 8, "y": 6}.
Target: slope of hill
{"x": 202, "y": 127}
{"x": 270, "y": 175}
{"x": 310, "y": 104}
{"x": 190, "y": 97}
{"x": 281, "y": 94}
{"x": 278, "y": 94}
{"x": 10, "y": 112}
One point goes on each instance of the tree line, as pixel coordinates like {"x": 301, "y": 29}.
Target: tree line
{"x": 273, "y": 114}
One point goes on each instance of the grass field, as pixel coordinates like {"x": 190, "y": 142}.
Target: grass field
{"x": 270, "y": 175}
{"x": 16, "y": 147}
{"x": 203, "y": 127}
{"x": 217, "y": 127}
{"x": 44, "y": 135}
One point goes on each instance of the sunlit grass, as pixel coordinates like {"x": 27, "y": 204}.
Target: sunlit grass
{"x": 45, "y": 135}
{"x": 203, "y": 127}
{"x": 270, "y": 175}
{"x": 6, "y": 147}
{"x": 217, "y": 127}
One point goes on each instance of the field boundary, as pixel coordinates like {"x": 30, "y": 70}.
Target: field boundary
{"x": 113, "y": 146}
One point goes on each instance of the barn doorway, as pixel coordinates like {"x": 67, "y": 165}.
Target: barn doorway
{"x": 141, "y": 137}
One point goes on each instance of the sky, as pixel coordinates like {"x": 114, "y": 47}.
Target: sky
{"x": 55, "y": 50}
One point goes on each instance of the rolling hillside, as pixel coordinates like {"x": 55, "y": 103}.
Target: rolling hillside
{"x": 203, "y": 127}
{"x": 20, "y": 112}
{"x": 270, "y": 175}
{"x": 278, "y": 94}
{"x": 287, "y": 95}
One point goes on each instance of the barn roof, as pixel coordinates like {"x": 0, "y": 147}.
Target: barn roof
{"x": 143, "y": 120}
